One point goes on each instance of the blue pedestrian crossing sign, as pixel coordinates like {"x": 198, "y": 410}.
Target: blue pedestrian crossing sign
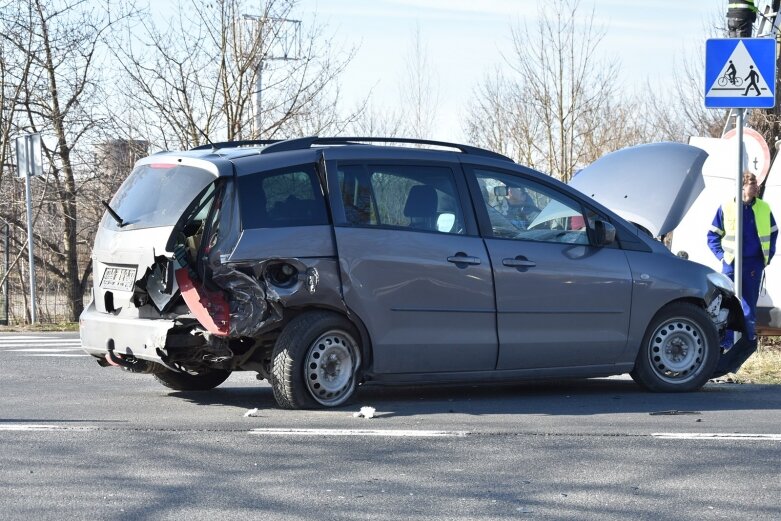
{"x": 740, "y": 73}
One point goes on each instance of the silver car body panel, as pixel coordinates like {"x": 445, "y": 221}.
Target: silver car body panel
{"x": 423, "y": 313}
{"x": 651, "y": 185}
{"x": 134, "y": 249}
{"x": 273, "y": 243}
{"x": 571, "y": 309}
{"x": 129, "y": 335}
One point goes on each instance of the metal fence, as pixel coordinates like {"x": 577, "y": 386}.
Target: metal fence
{"x": 51, "y": 292}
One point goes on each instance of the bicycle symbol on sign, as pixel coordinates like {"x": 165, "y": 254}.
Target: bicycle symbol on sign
{"x": 730, "y": 76}
{"x": 737, "y": 81}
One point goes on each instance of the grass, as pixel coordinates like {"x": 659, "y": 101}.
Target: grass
{"x": 764, "y": 366}
{"x": 62, "y": 326}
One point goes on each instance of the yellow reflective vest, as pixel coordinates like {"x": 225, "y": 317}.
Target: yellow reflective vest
{"x": 762, "y": 221}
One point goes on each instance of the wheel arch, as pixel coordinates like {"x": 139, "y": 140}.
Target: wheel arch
{"x": 355, "y": 320}
{"x": 703, "y": 358}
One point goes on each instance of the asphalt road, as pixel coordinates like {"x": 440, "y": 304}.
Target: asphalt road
{"x": 82, "y": 442}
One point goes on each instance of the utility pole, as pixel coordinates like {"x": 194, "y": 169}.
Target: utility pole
{"x": 277, "y": 39}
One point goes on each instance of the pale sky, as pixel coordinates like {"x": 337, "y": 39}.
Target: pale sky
{"x": 466, "y": 38}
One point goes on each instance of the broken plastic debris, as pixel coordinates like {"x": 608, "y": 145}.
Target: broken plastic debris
{"x": 251, "y": 412}
{"x": 366, "y": 412}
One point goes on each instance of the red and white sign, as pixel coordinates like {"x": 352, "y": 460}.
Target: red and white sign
{"x": 756, "y": 154}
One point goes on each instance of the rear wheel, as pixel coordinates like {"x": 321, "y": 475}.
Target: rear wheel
{"x": 202, "y": 381}
{"x": 680, "y": 350}
{"x": 315, "y": 362}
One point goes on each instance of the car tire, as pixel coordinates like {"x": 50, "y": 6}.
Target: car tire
{"x": 315, "y": 362}
{"x": 192, "y": 382}
{"x": 680, "y": 350}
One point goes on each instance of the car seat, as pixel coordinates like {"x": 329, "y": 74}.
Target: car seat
{"x": 421, "y": 208}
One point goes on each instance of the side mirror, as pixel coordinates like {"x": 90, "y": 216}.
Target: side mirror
{"x": 500, "y": 191}
{"x": 605, "y": 232}
{"x": 445, "y": 222}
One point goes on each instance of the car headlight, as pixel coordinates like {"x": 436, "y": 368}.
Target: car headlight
{"x": 722, "y": 282}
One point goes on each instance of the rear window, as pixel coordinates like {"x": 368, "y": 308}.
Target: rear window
{"x": 157, "y": 195}
{"x": 280, "y": 198}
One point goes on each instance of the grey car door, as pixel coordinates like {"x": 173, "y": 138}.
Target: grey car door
{"x": 561, "y": 302}
{"x": 414, "y": 268}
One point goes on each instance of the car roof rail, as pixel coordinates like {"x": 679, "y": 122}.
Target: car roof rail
{"x": 233, "y": 144}
{"x": 276, "y": 145}
{"x": 306, "y": 142}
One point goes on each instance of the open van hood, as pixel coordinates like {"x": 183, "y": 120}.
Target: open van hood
{"x": 650, "y": 185}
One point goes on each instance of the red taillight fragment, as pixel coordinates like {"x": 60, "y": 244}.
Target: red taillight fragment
{"x": 209, "y": 307}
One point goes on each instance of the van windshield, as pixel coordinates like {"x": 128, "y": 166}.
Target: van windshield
{"x": 156, "y": 195}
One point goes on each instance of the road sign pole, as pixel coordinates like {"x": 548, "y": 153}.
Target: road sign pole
{"x": 27, "y": 174}
{"x": 6, "y": 258}
{"x": 739, "y": 214}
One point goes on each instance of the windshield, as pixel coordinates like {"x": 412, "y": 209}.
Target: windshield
{"x": 156, "y": 195}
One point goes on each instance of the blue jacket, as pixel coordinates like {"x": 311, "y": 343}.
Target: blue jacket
{"x": 752, "y": 249}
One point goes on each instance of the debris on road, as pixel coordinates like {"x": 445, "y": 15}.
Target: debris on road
{"x": 251, "y": 413}
{"x": 366, "y": 412}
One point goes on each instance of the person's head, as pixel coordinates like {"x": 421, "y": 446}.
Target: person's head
{"x": 516, "y": 195}
{"x": 750, "y": 188}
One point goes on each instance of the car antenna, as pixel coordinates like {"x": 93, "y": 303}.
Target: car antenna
{"x": 214, "y": 147}
{"x": 113, "y": 214}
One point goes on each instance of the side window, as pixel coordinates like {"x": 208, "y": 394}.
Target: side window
{"x": 357, "y": 197}
{"x": 284, "y": 197}
{"x": 399, "y": 196}
{"x": 521, "y": 209}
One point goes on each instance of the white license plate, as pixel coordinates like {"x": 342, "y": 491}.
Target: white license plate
{"x": 118, "y": 278}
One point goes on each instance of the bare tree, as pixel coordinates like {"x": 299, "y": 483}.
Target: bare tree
{"x": 61, "y": 44}
{"x": 419, "y": 92}
{"x": 377, "y": 121}
{"x": 677, "y": 115}
{"x": 195, "y": 79}
{"x": 555, "y": 110}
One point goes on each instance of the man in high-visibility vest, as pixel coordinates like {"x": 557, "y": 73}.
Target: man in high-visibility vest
{"x": 759, "y": 246}
{"x": 740, "y": 18}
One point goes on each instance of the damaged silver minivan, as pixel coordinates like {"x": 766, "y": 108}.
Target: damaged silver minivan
{"x": 325, "y": 263}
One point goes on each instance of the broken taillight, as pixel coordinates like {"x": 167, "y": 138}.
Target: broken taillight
{"x": 209, "y": 307}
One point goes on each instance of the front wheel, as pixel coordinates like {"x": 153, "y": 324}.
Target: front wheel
{"x": 202, "y": 381}
{"x": 315, "y": 362}
{"x": 679, "y": 352}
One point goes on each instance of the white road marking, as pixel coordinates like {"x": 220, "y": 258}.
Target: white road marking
{"x": 41, "y": 346}
{"x": 43, "y": 342}
{"x": 394, "y": 433}
{"x": 40, "y": 349}
{"x": 32, "y": 427}
{"x": 60, "y": 354}
{"x": 362, "y": 432}
{"x": 716, "y": 436}
{"x": 44, "y": 349}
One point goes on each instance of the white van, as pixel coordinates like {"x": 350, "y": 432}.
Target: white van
{"x": 719, "y": 173}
